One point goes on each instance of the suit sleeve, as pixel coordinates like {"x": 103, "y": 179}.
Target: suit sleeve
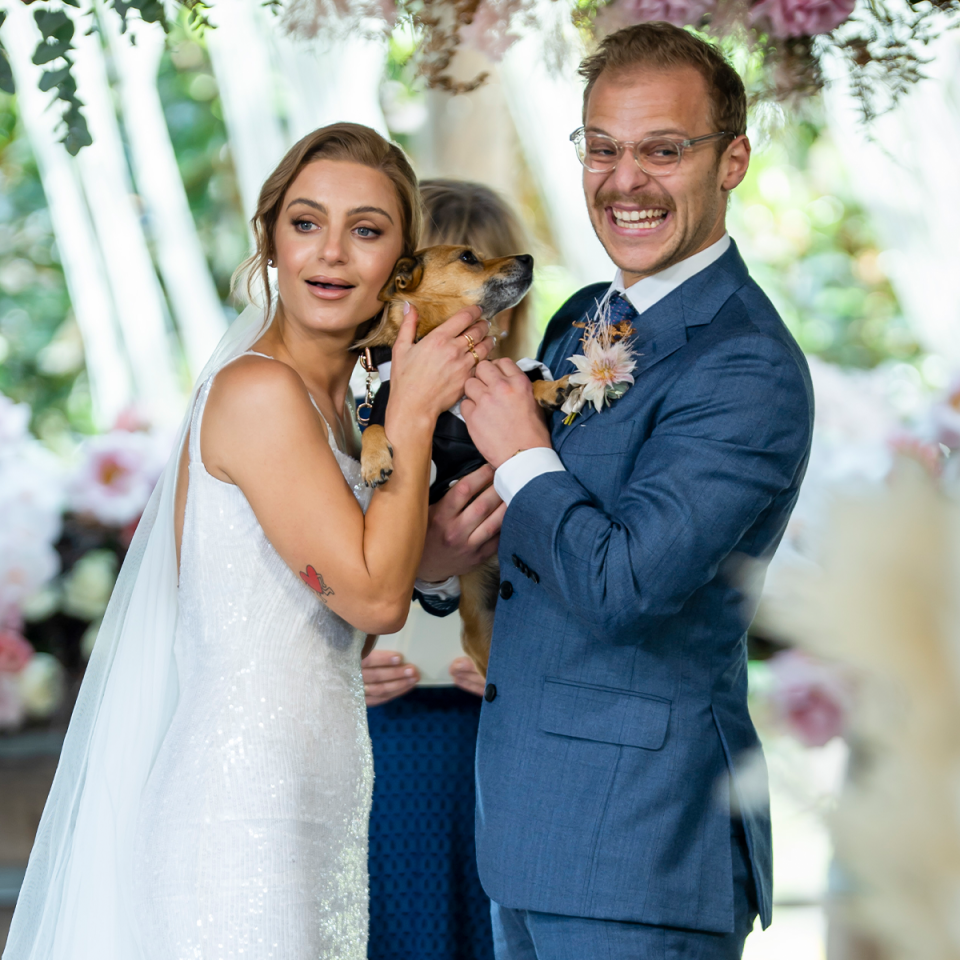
{"x": 731, "y": 438}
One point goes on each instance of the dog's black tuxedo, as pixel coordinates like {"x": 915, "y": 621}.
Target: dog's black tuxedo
{"x": 454, "y": 453}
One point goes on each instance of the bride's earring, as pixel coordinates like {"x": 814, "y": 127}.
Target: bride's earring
{"x": 270, "y": 263}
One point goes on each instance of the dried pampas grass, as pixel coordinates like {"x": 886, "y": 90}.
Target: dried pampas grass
{"x": 885, "y": 601}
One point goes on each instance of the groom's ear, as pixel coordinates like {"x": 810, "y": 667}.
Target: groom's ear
{"x": 405, "y": 278}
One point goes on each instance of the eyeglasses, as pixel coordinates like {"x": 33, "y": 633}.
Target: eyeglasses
{"x": 655, "y": 156}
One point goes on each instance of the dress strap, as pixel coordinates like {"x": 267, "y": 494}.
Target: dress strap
{"x": 198, "y": 406}
{"x": 330, "y": 434}
{"x": 201, "y": 402}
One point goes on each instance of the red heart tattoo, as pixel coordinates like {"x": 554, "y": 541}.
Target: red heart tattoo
{"x": 315, "y": 581}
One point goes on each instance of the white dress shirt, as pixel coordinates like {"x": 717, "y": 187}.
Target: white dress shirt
{"x": 521, "y": 468}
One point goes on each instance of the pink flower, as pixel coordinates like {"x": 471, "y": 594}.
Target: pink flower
{"x": 801, "y": 18}
{"x": 928, "y": 455}
{"x": 811, "y": 698}
{"x": 625, "y": 13}
{"x": 116, "y": 477}
{"x": 15, "y": 651}
{"x": 489, "y": 31}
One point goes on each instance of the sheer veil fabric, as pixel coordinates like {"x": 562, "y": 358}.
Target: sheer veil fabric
{"x": 75, "y": 903}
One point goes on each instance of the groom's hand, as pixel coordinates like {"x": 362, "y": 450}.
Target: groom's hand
{"x": 501, "y": 414}
{"x": 464, "y": 528}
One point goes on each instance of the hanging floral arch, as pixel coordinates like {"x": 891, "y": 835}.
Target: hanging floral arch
{"x": 787, "y": 46}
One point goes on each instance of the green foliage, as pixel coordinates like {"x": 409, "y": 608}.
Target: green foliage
{"x": 41, "y": 355}
{"x": 812, "y": 249}
{"x": 41, "y": 352}
{"x": 57, "y": 30}
{"x": 6, "y": 73}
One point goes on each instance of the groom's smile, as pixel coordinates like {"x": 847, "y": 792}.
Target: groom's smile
{"x": 649, "y": 221}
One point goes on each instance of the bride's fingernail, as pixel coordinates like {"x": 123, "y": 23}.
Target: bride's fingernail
{"x": 409, "y": 671}
{"x": 406, "y": 308}
{"x": 396, "y": 659}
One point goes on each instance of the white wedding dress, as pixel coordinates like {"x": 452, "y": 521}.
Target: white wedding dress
{"x": 251, "y": 837}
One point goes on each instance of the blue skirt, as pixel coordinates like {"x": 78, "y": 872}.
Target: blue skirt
{"x": 426, "y": 902}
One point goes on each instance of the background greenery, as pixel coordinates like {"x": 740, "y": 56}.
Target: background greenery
{"x": 806, "y": 240}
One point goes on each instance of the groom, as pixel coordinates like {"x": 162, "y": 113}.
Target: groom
{"x": 613, "y": 816}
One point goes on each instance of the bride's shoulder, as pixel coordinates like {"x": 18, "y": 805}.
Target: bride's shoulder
{"x": 252, "y": 381}
{"x": 257, "y": 391}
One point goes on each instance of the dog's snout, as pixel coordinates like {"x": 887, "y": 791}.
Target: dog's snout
{"x": 525, "y": 260}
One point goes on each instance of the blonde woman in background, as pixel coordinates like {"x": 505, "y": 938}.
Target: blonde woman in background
{"x": 425, "y": 896}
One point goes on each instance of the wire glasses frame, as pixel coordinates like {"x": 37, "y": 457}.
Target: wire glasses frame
{"x": 653, "y": 155}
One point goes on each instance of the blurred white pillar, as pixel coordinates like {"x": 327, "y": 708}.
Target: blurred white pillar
{"x": 183, "y": 265}
{"x": 106, "y": 362}
{"x": 545, "y": 104}
{"x": 136, "y": 289}
{"x": 240, "y": 50}
{"x": 322, "y": 83}
{"x": 903, "y": 169}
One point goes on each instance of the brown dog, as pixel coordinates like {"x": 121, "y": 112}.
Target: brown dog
{"x": 439, "y": 281}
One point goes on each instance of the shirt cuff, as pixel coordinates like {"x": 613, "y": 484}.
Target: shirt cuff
{"x": 448, "y": 589}
{"x": 514, "y": 474}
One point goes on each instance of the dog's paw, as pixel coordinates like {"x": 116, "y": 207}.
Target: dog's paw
{"x": 376, "y": 457}
{"x": 376, "y": 474}
{"x": 550, "y": 394}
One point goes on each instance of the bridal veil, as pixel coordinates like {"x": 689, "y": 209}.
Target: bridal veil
{"x": 75, "y": 900}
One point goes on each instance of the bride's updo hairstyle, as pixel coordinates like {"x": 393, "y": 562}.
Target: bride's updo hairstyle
{"x": 354, "y": 143}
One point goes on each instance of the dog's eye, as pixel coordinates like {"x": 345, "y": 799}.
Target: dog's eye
{"x": 468, "y": 257}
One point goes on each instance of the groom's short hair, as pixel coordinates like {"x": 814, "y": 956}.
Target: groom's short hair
{"x": 660, "y": 45}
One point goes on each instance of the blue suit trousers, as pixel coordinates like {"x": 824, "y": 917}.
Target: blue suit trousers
{"x": 528, "y": 935}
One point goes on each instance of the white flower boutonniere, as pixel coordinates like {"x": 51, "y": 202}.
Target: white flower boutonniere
{"x": 605, "y": 369}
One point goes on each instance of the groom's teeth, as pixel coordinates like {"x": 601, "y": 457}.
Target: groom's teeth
{"x": 632, "y": 218}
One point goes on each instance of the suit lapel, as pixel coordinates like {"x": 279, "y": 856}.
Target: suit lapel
{"x": 662, "y": 329}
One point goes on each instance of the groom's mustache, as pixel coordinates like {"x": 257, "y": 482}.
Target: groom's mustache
{"x": 607, "y": 198}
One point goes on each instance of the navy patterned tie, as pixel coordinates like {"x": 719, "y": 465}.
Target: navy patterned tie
{"x": 619, "y": 308}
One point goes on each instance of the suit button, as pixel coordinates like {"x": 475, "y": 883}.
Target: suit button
{"x": 506, "y": 590}
{"x": 490, "y": 694}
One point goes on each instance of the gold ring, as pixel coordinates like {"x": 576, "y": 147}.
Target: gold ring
{"x": 475, "y": 355}
{"x": 471, "y": 343}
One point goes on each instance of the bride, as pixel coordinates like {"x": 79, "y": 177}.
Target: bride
{"x": 212, "y": 797}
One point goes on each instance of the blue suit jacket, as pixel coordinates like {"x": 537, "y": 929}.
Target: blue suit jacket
{"x": 619, "y": 649}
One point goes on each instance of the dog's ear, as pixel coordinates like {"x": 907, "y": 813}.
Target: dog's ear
{"x": 406, "y": 277}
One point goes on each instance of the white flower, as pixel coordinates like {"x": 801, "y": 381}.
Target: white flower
{"x": 31, "y": 500}
{"x": 31, "y": 492}
{"x": 601, "y": 368}
{"x": 42, "y": 685}
{"x": 26, "y": 565}
{"x": 14, "y": 418}
{"x": 87, "y": 588}
{"x": 116, "y": 476}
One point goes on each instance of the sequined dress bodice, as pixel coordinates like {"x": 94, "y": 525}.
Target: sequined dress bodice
{"x": 252, "y": 835}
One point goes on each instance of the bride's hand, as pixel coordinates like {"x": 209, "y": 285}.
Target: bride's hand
{"x": 429, "y": 375}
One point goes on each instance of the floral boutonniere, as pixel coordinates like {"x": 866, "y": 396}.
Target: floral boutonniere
{"x": 604, "y": 370}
